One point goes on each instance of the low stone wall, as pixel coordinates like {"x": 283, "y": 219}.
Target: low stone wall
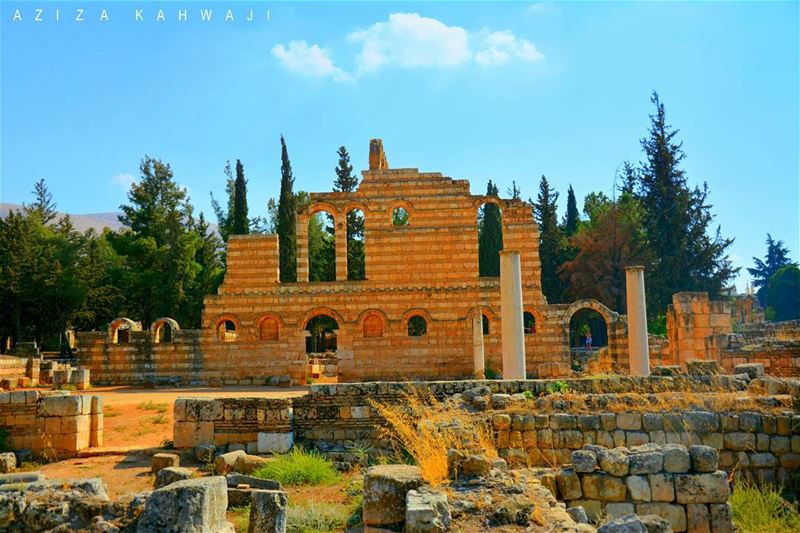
{"x": 261, "y": 424}
{"x": 680, "y": 485}
{"x": 51, "y": 424}
{"x": 18, "y": 371}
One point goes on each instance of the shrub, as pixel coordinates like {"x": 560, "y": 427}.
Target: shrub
{"x": 317, "y": 517}
{"x": 491, "y": 373}
{"x": 558, "y": 387}
{"x": 760, "y": 509}
{"x": 299, "y": 467}
{"x": 240, "y": 516}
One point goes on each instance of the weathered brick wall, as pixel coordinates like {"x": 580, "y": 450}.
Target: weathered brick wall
{"x": 691, "y": 318}
{"x": 53, "y": 424}
{"x": 775, "y": 345}
{"x": 682, "y": 486}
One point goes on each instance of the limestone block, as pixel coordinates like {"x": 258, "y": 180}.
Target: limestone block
{"x": 563, "y": 421}
{"x": 779, "y": 445}
{"x": 61, "y": 405}
{"x": 704, "y": 458}
{"x": 171, "y": 474}
{"x": 638, "y": 488}
{"x": 247, "y": 464}
{"x": 652, "y": 422}
{"x": 662, "y": 487}
{"x": 8, "y": 462}
{"x": 268, "y": 510}
{"x": 603, "y": 487}
{"x": 385, "y": 489}
{"x": 275, "y": 442}
{"x": 646, "y": 462}
{"x": 569, "y": 484}
{"x": 676, "y": 514}
{"x": 614, "y": 461}
{"x": 426, "y": 511}
{"x": 739, "y": 441}
{"x": 617, "y": 510}
{"x": 702, "y": 488}
{"x": 763, "y": 460}
{"x": 701, "y": 421}
{"x": 676, "y": 458}
{"x": 584, "y": 461}
{"x": 164, "y": 460}
{"x": 721, "y": 518}
{"x": 623, "y": 520}
{"x": 753, "y": 370}
{"x": 235, "y": 480}
{"x": 750, "y": 422}
{"x": 629, "y": 421}
{"x": 226, "y": 462}
{"x": 501, "y": 421}
{"x": 698, "y": 518}
{"x": 188, "y": 506}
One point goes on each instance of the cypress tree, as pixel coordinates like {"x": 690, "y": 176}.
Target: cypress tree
{"x": 545, "y": 213}
{"x": 287, "y": 218}
{"x": 225, "y": 218}
{"x": 241, "y": 223}
{"x": 345, "y": 181}
{"x": 490, "y": 236}
{"x": 573, "y": 216}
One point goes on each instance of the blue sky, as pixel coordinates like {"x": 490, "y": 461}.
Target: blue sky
{"x": 503, "y": 91}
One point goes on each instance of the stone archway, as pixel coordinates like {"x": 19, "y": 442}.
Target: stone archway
{"x": 589, "y": 330}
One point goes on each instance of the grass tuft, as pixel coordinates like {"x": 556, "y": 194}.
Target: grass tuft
{"x": 761, "y": 509}
{"x": 299, "y": 467}
{"x": 149, "y": 405}
{"x": 240, "y": 516}
{"x": 317, "y": 517}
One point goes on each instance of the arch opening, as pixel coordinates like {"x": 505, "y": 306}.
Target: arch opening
{"x": 490, "y": 238}
{"x": 485, "y": 324}
{"x": 588, "y": 335}
{"x": 321, "y": 337}
{"x": 528, "y": 323}
{"x": 400, "y": 217}
{"x": 226, "y": 330}
{"x": 417, "y": 326}
{"x": 321, "y": 247}
{"x": 356, "y": 262}
{"x": 163, "y": 332}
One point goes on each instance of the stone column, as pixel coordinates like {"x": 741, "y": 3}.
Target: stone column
{"x": 301, "y": 249}
{"x": 638, "y": 349}
{"x": 340, "y": 234}
{"x": 511, "y": 315}
{"x": 477, "y": 345}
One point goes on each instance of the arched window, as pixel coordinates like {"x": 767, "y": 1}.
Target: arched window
{"x": 399, "y": 217}
{"x": 485, "y": 324}
{"x": 164, "y": 332}
{"x": 528, "y": 323}
{"x": 226, "y": 330}
{"x": 356, "y": 269}
{"x": 490, "y": 238}
{"x": 321, "y": 247}
{"x": 417, "y": 326}
{"x": 321, "y": 336}
{"x": 269, "y": 329}
{"x": 123, "y": 335}
{"x": 373, "y": 326}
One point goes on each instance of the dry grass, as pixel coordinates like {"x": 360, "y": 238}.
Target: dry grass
{"x": 426, "y": 429}
{"x": 760, "y": 509}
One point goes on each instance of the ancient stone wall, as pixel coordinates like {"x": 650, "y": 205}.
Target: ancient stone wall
{"x": 682, "y": 486}
{"x": 775, "y": 345}
{"x": 53, "y": 425}
{"x": 691, "y": 318}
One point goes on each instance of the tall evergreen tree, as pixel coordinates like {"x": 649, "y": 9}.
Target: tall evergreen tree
{"x": 43, "y": 206}
{"x": 490, "y": 235}
{"x": 225, "y": 217}
{"x": 287, "y": 218}
{"x": 629, "y": 178}
{"x": 240, "y": 222}
{"x": 514, "y": 191}
{"x": 345, "y": 181}
{"x": 677, "y": 222}
{"x": 573, "y": 217}
{"x": 545, "y": 211}
{"x": 783, "y": 294}
{"x": 777, "y": 257}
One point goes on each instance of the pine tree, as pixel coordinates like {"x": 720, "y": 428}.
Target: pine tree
{"x": 686, "y": 257}
{"x": 225, "y": 218}
{"x": 43, "y": 206}
{"x": 545, "y": 211}
{"x": 287, "y": 217}
{"x": 345, "y": 181}
{"x": 573, "y": 217}
{"x": 490, "y": 236}
{"x": 629, "y": 178}
{"x": 240, "y": 222}
{"x": 514, "y": 191}
{"x": 777, "y": 257}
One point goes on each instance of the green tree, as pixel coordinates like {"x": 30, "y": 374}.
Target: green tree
{"x": 776, "y": 258}
{"x": 321, "y": 248}
{"x": 572, "y": 217}
{"x": 550, "y": 240}
{"x": 240, "y": 223}
{"x": 783, "y": 294}
{"x": 287, "y": 217}
{"x": 686, "y": 257}
{"x": 208, "y": 256}
{"x": 514, "y": 191}
{"x": 345, "y": 181}
{"x": 490, "y": 235}
{"x": 43, "y": 206}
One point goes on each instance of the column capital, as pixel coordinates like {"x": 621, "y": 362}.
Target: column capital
{"x": 633, "y": 268}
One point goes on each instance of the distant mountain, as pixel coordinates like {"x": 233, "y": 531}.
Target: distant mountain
{"x": 98, "y": 221}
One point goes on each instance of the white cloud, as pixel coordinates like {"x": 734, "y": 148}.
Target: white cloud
{"x": 500, "y": 47}
{"x": 306, "y": 60}
{"x": 541, "y": 8}
{"x": 410, "y": 40}
{"x": 124, "y": 181}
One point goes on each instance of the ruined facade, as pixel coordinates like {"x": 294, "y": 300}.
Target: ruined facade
{"x": 410, "y": 318}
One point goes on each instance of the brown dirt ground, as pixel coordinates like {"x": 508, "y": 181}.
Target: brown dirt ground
{"x": 137, "y": 422}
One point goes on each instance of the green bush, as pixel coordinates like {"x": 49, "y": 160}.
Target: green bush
{"x": 490, "y": 373}
{"x": 558, "y": 387}
{"x": 299, "y": 467}
{"x": 760, "y": 509}
{"x": 317, "y": 517}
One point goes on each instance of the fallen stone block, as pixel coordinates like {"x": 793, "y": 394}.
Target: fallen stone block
{"x": 625, "y": 524}
{"x": 247, "y": 464}
{"x": 188, "y": 506}
{"x": 385, "y": 489}
{"x": 426, "y": 511}
{"x": 21, "y": 477}
{"x": 753, "y": 370}
{"x": 578, "y": 514}
{"x": 226, "y": 462}
{"x": 234, "y": 480}
{"x": 268, "y": 510}
{"x": 205, "y": 453}
{"x": 698, "y": 367}
{"x": 8, "y": 462}
{"x": 171, "y": 474}
{"x": 164, "y": 460}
